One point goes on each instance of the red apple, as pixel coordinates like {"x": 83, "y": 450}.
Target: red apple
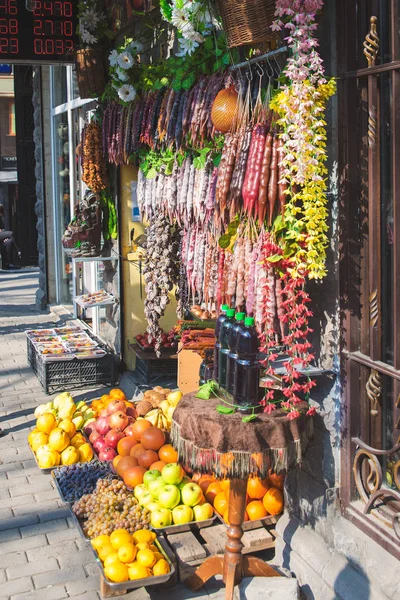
{"x": 107, "y": 453}
{"x": 93, "y": 437}
{"x": 103, "y": 426}
{"x": 116, "y": 406}
{"x": 118, "y": 420}
{"x": 112, "y": 438}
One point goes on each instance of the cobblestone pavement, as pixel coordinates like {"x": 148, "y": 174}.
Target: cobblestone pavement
{"x": 41, "y": 553}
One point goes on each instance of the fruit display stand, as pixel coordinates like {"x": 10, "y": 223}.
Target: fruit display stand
{"x": 208, "y": 441}
{"x": 152, "y": 368}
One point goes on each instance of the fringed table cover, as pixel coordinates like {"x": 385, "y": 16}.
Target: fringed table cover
{"x": 223, "y": 444}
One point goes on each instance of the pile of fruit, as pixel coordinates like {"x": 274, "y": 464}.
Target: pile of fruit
{"x": 264, "y": 496}
{"x": 100, "y": 404}
{"x": 158, "y": 406}
{"x": 111, "y": 506}
{"x": 64, "y": 407}
{"x": 76, "y": 480}
{"x": 55, "y": 442}
{"x": 168, "y": 340}
{"x": 129, "y": 557}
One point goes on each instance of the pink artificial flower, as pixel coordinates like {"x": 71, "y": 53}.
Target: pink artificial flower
{"x": 311, "y": 411}
{"x": 294, "y": 414}
{"x": 269, "y": 408}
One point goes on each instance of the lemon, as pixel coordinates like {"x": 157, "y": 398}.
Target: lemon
{"x": 146, "y": 558}
{"x": 142, "y": 546}
{"x": 127, "y": 553}
{"x": 161, "y": 568}
{"x": 137, "y": 571}
{"x": 58, "y": 439}
{"x": 85, "y": 453}
{"x": 111, "y": 558}
{"x": 68, "y": 426}
{"x": 37, "y": 439}
{"x": 116, "y": 572}
{"x": 100, "y": 541}
{"x": 46, "y": 422}
{"x": 120, "y": 537}
{"x": 104, "y": 551}
{"x": 144, "y": 536}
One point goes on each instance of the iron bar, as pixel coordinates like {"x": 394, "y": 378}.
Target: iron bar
{"x": 257, "y": 59}
{"x": 375, "y": 70}
{"x": 366, "y": 361}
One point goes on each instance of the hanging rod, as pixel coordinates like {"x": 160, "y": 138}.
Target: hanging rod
{"x": 258, "y": 59}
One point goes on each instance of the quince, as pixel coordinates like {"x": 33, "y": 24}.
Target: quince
{"x": 70, "y": 456}
{"x": 67, "y": 410}
{"x": 47, "y": 458}
{"x": 78, "y": 421}
{"x": 60, "y": 400}
{"x": 58, "y": 439}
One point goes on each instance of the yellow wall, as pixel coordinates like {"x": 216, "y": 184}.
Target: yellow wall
{"x": 134, "y": 319}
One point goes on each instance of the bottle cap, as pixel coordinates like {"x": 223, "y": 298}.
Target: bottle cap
{"x": 224, "y": 307}
{"x": 239, "y": 316}
{"x": 249, "y": 321}
{"x": 230, "y": 312}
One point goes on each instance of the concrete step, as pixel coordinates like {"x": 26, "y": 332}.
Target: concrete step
{"x": 267, "y": 588}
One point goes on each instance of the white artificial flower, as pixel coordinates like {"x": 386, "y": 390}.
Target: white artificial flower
{"x": 122, "y": 76}
{"x": 135, "y": 47}
{"x": 90, "y": 19}
{"x": 87, "y": 38}
{"x": 127, "y": 92}
{"x": 187, "y": 46}
{"x": 113, "y": 58}
{"x": 125, "y": 60}
{"x": 180, "y": 19}
{"x": 193, "y": 36}
{"x": 192, "y": 6}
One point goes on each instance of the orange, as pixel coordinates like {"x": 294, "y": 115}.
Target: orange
{"x": 119, "y": 537}
{"x": 256, "y": 510}
{"x": 137, "y": 571}
{"x": 127, "y": 553}
{"x": 257, "y": 487}
{"x": 125, "y": 445}
{"x": 158, "y": 465}
{"x": 139, "y": 426}
{"x": 104, "y": 551}
{"x": 277, "y": 481}
{"x": 146, "y": 558}
{"x": 273, "y": 501}
{"x": 136, "y": 449}
{"x": 168, "y": 454}
{"x": 220, "y": 503}
{"x": 105, "y": 399}
{"x": 213, "y": 490}
{"x": 205, "y": 481}
{"x": 161, "y": 568}
{"x": 224, "y": 483}
{"x": 117, "y": 394}
{"x": 116, "y": 572}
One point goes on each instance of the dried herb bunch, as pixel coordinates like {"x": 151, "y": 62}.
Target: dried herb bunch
{"x": 161, "y": 270}
{"x": 94, "y": 170}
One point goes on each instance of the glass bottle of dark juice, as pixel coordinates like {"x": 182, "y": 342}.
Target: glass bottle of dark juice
{"x": 247, "y": 370}
{"x": 224, "y": 348}
{"x": 217, "y": 346}
{"x": 232, "y": 356}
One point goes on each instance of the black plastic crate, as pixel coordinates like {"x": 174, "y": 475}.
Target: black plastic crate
{"x": 69, "y": 374}
{"x": 152, "y": 370}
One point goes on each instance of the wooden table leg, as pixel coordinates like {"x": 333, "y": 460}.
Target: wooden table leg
{"x": 233, "y": 565}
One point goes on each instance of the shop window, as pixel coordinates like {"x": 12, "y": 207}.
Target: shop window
{"x": 369, "y": 124}
{"x": 11, "y": 118}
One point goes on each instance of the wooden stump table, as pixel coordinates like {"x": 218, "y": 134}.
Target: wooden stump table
{"x": 208, "y": 441}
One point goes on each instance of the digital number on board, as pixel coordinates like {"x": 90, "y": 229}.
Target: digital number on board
{"x": 44, "y": 33}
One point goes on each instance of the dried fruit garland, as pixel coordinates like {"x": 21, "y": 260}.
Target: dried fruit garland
{"x": 94, "y": 169}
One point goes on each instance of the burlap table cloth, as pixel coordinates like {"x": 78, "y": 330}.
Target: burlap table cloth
{"x": 207, "y": 441}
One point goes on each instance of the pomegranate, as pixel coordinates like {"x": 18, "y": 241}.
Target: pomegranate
{"x": 93, "y": 436}
{"x": 118, "y": 420}
{"x": 99, "y": 444}
{"x": 107, "y": 453}
{"x": 103, "y": 413}
{"x": 90, "y": 428}
{"x": 116, "y": 406}
{"x": 102, "y": 426}
{"x": 112, "y": 438}
{"x": 129, "y": 431}
{"x": 130, "y": 421}
{"x": 131, "y": 412}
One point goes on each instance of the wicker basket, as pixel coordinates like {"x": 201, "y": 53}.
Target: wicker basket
{"x": 247, "y": 21}
{"x": 90, "y": 71}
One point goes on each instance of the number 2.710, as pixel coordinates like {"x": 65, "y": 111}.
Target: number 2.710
{"x": 48, "y": 27}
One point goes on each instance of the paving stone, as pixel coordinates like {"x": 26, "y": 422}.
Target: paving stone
{"x": 46, "y": 511}
{"x": 22, "y": 522}
{"x": 18, "y": 501}
{"x": 2, "y": 575}
{"x": 59, "y": 576}
{"x": 32, "y": 488}
{"x": 37, "y": 529}
{"x": 32, "y": 568}
{"x": 16, "y": 586}
{"x": 9, "y": 535}
{"x": 56, "y": 592}
{"x": 5, "y": 513}
{"x": 91, "y": 568}
{"x": 12, "y": 559}
{"x": 57, "y": 551}
{"x": 63, "y": 534}
{"x": 22, "y": 544}
{"x": 61, "y": 512}
{"x": 75, "y": 588}
{"x": 92, "y": 595}
{"x": 50, "y": 495}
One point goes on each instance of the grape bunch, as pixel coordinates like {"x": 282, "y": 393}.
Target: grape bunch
{"x": 76, "y": 480}
{"x": 111, "y": 506}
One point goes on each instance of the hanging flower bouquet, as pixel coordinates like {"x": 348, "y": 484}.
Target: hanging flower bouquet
{"x": 92, "y": 23}
{"x": 122, "y": 62}
{"x": 192, "y": 19}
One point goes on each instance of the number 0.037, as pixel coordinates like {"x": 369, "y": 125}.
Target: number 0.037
{"x": 53, "y": 46}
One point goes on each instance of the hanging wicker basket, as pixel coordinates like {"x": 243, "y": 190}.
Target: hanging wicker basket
{"x": 90, "y": 71}
{"x": 247, "y": 21}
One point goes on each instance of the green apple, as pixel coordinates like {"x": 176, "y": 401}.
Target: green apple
{"x": 202, "y": 512}
{"x": 156, "y": 486}
{"x": 191, "y": 494}
{"x": 151, "y": 475}
{"x": 161, "y": 518}
{"x": 184, "y": 481}
{"x": 151, "y": 506}
{"x": 182, "y": 514}
{"x": 169, "y": 497}
{"x": 145, "y": 498}
{"x": 139, "y": 490}
{"x": 173, "y": 473}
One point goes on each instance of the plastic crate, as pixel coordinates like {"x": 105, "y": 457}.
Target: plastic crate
{"x": 153, "y": 370}
{"x": 60, "y": 375}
